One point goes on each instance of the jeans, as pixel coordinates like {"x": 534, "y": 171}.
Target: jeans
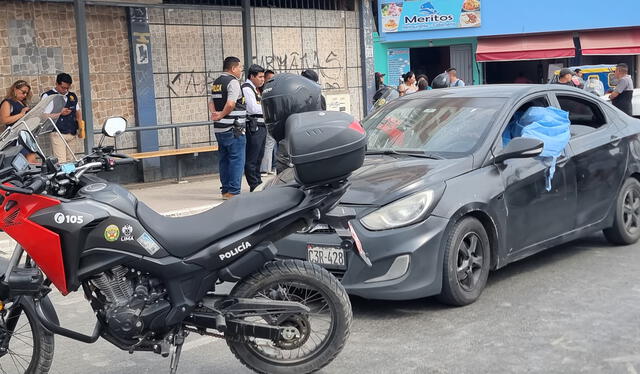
{"x": 231, "y": 153}
{"x": 267, "y": 160}
{"x": 255, "y": 151}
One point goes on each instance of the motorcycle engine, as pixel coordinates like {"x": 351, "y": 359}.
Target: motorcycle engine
{"x": 131, "y": 301}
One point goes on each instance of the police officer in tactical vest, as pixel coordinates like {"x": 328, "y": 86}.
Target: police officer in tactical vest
{"x": 228, "y": 112}
{"x": 256, "y": 130}
{"x": 69, "y": 120}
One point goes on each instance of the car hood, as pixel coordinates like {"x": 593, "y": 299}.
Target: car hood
{"x": 385, "y": 178}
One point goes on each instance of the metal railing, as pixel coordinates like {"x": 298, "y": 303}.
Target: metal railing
{"x": 176, "y": 137}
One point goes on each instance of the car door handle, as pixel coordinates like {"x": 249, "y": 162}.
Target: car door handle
{"x": 615, "y": 140}
{"x": 562, "y": 160}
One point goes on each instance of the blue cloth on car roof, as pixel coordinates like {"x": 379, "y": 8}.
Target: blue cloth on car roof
{"x": 550, "y": 125}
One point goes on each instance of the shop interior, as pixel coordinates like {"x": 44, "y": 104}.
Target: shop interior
{"x": 537, "y": 71}
{"x": 430, "y": 61}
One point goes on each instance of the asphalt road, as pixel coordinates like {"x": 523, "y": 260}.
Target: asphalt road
{"x": 571, "y": 309}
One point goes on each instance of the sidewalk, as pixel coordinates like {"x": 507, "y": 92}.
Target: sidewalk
{"x": 167, "y": 197}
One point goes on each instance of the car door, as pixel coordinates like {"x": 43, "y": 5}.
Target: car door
{"x": 599, "y": 159}
{"x": 536, "y": 215}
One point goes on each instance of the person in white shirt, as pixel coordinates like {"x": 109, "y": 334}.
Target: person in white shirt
{"x": 256, "y": 129}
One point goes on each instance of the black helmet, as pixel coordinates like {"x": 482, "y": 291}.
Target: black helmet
{"x": 285, "y": 95}
{"x": 384, "y": 95}
{"x": 441, "y": 81}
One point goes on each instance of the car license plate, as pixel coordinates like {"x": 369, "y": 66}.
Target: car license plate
{"x": 326, "y": 255}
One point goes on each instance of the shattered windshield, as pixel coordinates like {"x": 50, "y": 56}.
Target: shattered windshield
{"x": 447, "y": 127}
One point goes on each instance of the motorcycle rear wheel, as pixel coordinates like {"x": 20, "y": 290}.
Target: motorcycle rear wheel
{"x": 310, "y": 347}
{"x": 30, "y": 348}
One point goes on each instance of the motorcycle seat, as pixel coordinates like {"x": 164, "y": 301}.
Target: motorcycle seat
{"x": 184, "y": 236}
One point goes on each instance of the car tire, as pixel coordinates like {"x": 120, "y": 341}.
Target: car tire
{"x": 467, "y": 259}
{"x": 626, "y": 222}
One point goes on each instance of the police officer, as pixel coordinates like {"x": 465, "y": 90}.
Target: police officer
{"x": 256, "y": 130}
{"x": 69, "y": 120}
{"x": 228, "y": 112}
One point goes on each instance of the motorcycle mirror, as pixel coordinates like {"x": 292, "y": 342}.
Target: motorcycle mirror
{"x": 26, "y": 140}
{"x": 114, "y": 126}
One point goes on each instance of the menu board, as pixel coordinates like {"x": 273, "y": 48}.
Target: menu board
{"x": 398, "y": 63}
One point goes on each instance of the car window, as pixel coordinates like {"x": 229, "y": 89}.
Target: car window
{"x": 513, "y": 128}
{"x": 450, "y": 127}
{"x": 585, "y": 116}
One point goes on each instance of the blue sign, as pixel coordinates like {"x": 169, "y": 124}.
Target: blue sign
{"x": 412, "y": 15}
{"x": 398, "y": 63}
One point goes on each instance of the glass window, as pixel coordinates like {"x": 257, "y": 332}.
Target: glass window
{"x": 449, "y": 127}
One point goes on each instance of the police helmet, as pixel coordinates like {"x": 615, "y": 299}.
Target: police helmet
{"x": 287, "y": 94}
{"x": 441, "y": 81}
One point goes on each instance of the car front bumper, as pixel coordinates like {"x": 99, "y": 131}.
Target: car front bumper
{"x": 406, "y": 262}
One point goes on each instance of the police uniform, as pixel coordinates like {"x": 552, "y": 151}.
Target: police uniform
{"x": 230, "y": 132}
{"x": 256, "y": 135}
{"x": 67, "y": 125}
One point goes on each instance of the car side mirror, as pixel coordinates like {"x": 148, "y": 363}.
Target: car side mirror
{"x": 520, "y": 148}
{"x": 114, "y": 126}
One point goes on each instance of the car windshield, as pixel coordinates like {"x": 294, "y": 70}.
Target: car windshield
{"x": 443, "y": 127}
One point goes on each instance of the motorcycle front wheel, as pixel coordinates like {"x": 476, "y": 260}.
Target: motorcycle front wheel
{"x": 314, "y": 339}
{"x": 25, "y": 345}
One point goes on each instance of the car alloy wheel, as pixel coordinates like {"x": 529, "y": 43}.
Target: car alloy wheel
{"x": 466, "y": 262}
{"x": 631, "y": 211}
{"x": 626, "y": 222}
{"x": 470, "y": 261}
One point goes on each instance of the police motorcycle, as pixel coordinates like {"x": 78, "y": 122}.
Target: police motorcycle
{"x": 152, "y": 280}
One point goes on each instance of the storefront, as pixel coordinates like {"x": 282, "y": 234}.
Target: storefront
{"x": 507, "y": 42}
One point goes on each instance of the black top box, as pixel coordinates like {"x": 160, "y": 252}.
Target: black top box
{"x": 324, "y": 146}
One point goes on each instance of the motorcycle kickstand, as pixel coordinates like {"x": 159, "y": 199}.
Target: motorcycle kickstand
{"x": 177, "y": 343}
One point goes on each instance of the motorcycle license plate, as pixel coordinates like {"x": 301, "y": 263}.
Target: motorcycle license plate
{"x": 328, "y": 256}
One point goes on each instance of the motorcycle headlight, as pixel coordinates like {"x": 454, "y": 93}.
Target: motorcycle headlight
{"x": 400, "y": 213}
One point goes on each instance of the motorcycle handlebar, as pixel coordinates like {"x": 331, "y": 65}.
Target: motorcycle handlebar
{"x": 37, "y": 185}
{"x": 125, "y": 161}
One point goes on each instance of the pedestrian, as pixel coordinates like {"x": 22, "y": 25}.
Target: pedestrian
{"x": 408, "y": 84}
{"x": 379, "y": 81}
{"x": 69, "y": 120}
{"x": 423, "y": 84}
{"x": 267, "y": 165}
{"x": 453, "y": 78}
{"x": 566, "y": 77}
{"x": 268, "y": 75}
{"x": 578, "y": 80}
{"x": 14, "y": 105}
{"x": 228, "y": 111}
{"x": 623, "y": 93}
{"x": 256, "y": 129}
{"x": 311, "y": 74}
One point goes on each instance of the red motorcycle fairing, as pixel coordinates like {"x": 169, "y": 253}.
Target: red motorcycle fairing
{"x": 41, "y": 244}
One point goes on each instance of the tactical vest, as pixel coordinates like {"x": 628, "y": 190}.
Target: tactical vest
{"x": 219, "y": 94}
{"x": 259, "y": 117}
{"x": 16, "y": 108}
{"x": 67, "y": 124}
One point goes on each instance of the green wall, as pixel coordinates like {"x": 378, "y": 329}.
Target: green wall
{"x": 380, "y": 52}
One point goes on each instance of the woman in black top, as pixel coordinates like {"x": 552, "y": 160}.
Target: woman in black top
{"x": 14, "y": 106}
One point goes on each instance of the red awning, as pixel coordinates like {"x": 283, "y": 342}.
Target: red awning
{"x": 617, "y": 42}
{"x": 531, "y": 47}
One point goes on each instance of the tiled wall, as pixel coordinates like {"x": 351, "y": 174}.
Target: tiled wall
{"x": 38, "y": 41}
{"x": 189, "y": 46}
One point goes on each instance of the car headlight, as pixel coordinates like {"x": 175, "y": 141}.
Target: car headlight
{"x": 400, "y": 213}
